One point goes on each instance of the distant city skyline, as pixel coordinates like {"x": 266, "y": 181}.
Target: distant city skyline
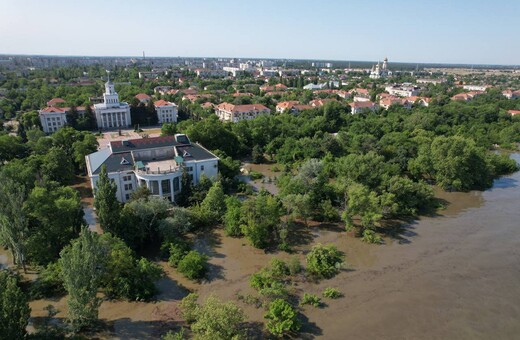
{"x": 404, "y": 31}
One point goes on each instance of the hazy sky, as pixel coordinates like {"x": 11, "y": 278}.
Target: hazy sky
{"x": 446, "y": 31}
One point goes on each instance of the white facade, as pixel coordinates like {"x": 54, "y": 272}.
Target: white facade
{"x": 157, "y": 163}
{"x": 234, "y": 113}
{"x": 403, "y": 91}
{"x": 52, "y": 119}
{"x": 378, "y": 72}
{"x": 166, "y": 111}
{"x": 112, "y": 113}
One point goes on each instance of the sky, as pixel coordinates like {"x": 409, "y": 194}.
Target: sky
{"x": 429, "y": 31}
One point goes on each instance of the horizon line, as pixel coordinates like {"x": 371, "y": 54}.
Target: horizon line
{"x": 255, "y": 58}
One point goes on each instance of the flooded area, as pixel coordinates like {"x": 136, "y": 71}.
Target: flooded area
{"x": 453, "y": 275}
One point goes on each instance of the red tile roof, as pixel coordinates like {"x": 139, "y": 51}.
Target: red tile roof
{"x": 241, "y": 108}
{"x": 514, "y": 112}
{"x": 361, "y": 104}
{"x": 55, "y": 101}
{"x": 142, "y": 96}
{"x": 52, "y": 109}
{"x": 159, "y": 103}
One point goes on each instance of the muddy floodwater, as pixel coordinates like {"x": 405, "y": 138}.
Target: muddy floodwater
{"x": 455, "y": 275}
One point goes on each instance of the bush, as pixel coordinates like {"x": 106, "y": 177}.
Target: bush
{"x": 294, "y": 265}
{"x": 49, "y": 283}
{"x": 278, "y": 268}
{"x": 310, "y": 299}
{"x": 332, "y": 293}
{"x": 256, "y": 175}
{"x": 178, "y": 251}
{"x": 189, "y": 307}
{"x": 324, "y": 261}
{"x": 282, "y": 318}
{"x": 217, "y": 320}
{"x": 194, "y": 265}
{"x": 370, "y": 236}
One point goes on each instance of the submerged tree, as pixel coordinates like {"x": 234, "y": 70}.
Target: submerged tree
{"x": 14, "y": 308}
{"x": 82, "y": 274}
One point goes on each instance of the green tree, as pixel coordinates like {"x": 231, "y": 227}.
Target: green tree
{"x": 13, "y": 220}
{"x": 213, "y": 207}
{"x": 108, "y": 208}
{"x": 232, "y": 218}
{"x": 57, "y": 166}
{"x": 55, "y": 217}
{"x": 217, "y": 320}
{"x": 261, "y": 217}
{"x": 282, "y": 318}
{"x": 324, "y": 260}
{"x": 81, "y": 148}
{"x": 194, "y": 265}
{"x": 82, "y": 272}
{"x": 182, "y": 199}
{"x": 14, "y": 308}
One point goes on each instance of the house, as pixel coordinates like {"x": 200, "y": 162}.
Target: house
{"x": 476, "y": 87}
{"x": 292, "y": 106}
{"x": 431, "y": 81}
{"x": 277, "y": 87}
{"x": 358, "y": 107}
{"x": 166, "y": 111}
{"x": 510, "y": 94}
{"x": 112, "y": 113}
{"x": 234, "y": 113}
{"x": 321, "y": 102}
{"x": 143, "y": 98}
{"x": 162, "y": 89}
{"x": 420, "y": 101}
{"x": 314, "y": 87}
{"x": 514, "y": 112}
{"x": 390, "y": 100}
{"x": 466, "y": 97}
{"x": 208, "y": 105}
{"x": 54, "y": 102}
{"x": 343, "y": 94}
{"x": 156, "y": 163}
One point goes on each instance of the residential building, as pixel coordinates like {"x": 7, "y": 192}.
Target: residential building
{"x": 166, "y": 111}
{"x": 514, "y": 112}
{"x": 292, "y": 106}
{"x": 52, "y": 118}
{"x": 510, "y": 94}
{"x": 314, "y": 87}
{"x": 358, "y": 107}
{"x": 157, "y": 163}
{"x": 321, "y": 102}
{"x": 234, "y": 113}
{"x": 431, "y": 81}
{"x": 277, "y": 87}
{"x": 466, "y": 97}
{"x": 476, "y": 87}
{"x": 112, "y": 113}
{"x": 404, "y": 90}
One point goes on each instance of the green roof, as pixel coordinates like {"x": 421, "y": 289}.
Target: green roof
{"x": 179, "y": 159}
{"x": 139, "y": 165}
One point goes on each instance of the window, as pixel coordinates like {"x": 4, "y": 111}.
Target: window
{"x": 202, "y": 168}
{"x": 127, "y": 197}
{"x": 128, "y": 186}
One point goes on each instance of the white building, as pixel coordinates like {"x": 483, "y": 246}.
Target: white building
{"x": 403, "y": 90}
{"x": 380, "y": 72}
{"x": 358, "y": 107}
{"x": 112, "y": 113}
{"x": 52, "y": 118}
{"x": 234, "y": 113}
{"x": 166, "y": 111}
{"x": 157, "y": 163}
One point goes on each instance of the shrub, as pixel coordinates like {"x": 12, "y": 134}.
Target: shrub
{"x": 194, "y": 265}
{"x": 282, "y": 318}
{"x": 178, "y": 251}
{"x": 310, "y": 299}
{"x": 294, "y": 265}
{"x": 370, "y": 236}
{"x": 49, "y": 282}
{"x": 278, "y": 268}
{"x": 324, "y": 261}
{"x": 332, "y": 293}
{"x": 255, "y": 175}
{"x": 217, "y": 320}
{"x": 189, "y": 307}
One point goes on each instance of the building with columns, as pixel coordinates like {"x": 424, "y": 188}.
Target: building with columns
{"x": 111, "y": 113}
{"x": 157, "y": 163}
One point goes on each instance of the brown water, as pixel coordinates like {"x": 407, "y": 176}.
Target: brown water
{"x": 453, "y": 276}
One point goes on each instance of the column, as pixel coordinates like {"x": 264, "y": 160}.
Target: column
{"x": 159, "y": 183}
{"x": 172, "y": 192}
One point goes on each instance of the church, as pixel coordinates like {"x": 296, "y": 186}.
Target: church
{"x": 112, "y": 113}
{"x": 380, "y": 72}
